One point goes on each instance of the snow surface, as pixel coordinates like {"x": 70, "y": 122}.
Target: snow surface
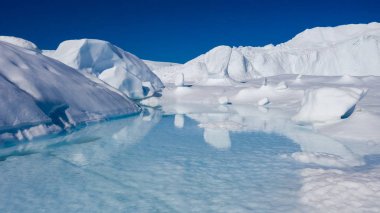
{"x": 39, "y": 90}
{"x": 20, "y": 42}
{"x": 332, "y": 190}
{"x": 326, "y": 104}
{"x": 118, "y": 68}
{"x": 155, "y": 65}
{"x": 331, "y": 51}
{"x": 326, "y": 117}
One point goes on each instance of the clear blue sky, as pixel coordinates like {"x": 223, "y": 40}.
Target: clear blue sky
{"x": 176, "y": 30}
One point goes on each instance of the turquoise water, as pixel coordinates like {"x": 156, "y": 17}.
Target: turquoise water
{"x": 146, "y": 163}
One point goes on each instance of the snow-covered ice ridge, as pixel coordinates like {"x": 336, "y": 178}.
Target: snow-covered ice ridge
{"x": 118, "y": 68}
{"x": 332, "y": 51}
{"x": 40, "y": 95}
{"x": 154, "y": 65}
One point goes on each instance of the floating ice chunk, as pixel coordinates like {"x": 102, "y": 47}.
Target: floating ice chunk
{"x": 223, "y": 100}
{"x": 180, "y": 80}
{"x": 179, "y": 121}
{"x": 263, "y": 101}
{"x": 326, "y": 104}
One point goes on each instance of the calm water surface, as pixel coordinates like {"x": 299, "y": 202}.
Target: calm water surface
{"x": 153, "y": 163}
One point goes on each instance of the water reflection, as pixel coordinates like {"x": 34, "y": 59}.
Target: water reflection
{"x": 235, "y": 158}
{"x": 179, "y": 121}
{"x": 120, "y": 133}
{"x": 217, "y": 125}
{"x": 218, "y": 138}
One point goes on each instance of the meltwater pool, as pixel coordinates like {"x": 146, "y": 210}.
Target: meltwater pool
{"x": 205, "y": 162}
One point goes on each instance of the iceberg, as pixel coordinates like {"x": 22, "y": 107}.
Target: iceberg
{"x": 116, "y": 67}
{"x": 329, "y": 51}
{"x": 39, "y": 90}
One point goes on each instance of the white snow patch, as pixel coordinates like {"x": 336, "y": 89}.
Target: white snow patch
{"x": 223, "y": 100}
{"x": 327, "y": 104}
{"x": 180, "y": 81}
{"x": 329, "y": 51}
{"x": 323, "y": 159}
{"x": 263, "y": 101}
{"x": 116, "y": 67}
{"x": 20, "y": 42}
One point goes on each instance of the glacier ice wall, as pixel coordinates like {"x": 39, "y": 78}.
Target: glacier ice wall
{"x": 36, "y": 89}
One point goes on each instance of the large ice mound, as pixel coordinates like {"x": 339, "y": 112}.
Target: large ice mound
{"x": 344, "y": 50}
{"x": 327, "y": 104}
{"x": 36, "y": 90}
{"x": 20, "y": 42}
{"x": 118, "y": 68}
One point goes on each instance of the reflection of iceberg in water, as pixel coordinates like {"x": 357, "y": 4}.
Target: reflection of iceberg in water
{"x": 120, "y": 133}
{"x": 217, "y": 138}
{"x": 315, "y": 148}
{"x": 179, "y": 121}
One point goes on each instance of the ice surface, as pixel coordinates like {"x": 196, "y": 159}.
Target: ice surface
{"x": 39, "y": 90}
{"x": 116, "y": 67}
{"x": 331, "y": 51}
{"x": 156, "y": 65}
{"x": 179, "y": 81}
{"x": 331, "y": 190}
{"x": 20, "y": 42}
{"x": 327, "y": 104}
{"x": 263, "y": 102}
